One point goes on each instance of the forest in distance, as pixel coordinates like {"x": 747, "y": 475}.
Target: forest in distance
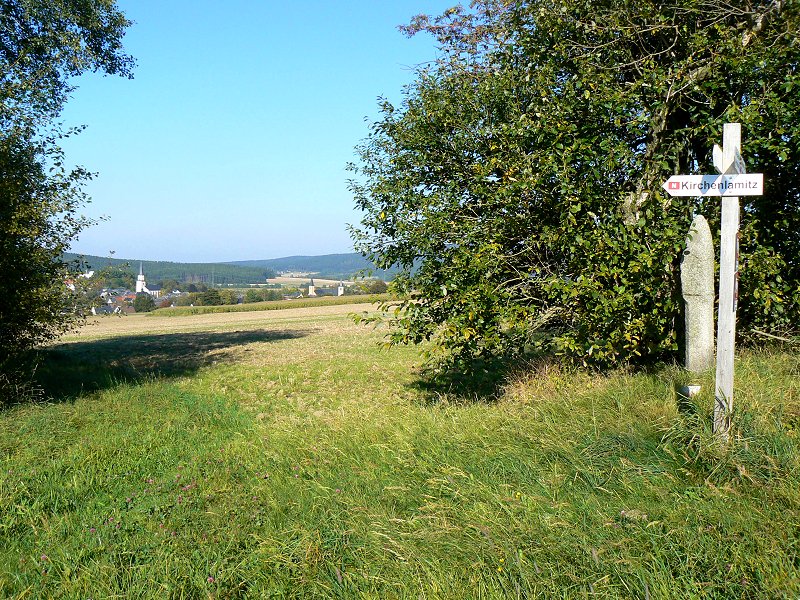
{"x": 329, "y": 266}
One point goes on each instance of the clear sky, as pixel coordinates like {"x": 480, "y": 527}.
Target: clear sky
{"x": 231, "y": 141}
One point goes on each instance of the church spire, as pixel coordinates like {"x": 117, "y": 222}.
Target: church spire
{"x": 141, "y": 285}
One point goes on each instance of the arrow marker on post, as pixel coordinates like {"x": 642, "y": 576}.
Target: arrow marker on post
{"x": 736, "y": 166}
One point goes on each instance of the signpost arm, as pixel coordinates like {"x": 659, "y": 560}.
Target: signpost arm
{"x": 728, "y": 279}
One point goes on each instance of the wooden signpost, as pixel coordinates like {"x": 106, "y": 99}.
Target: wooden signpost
{"x": 728, "y": 281}
{"x": 731, "y": 183}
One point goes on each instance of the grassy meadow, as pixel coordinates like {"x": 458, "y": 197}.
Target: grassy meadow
{"x": 286, "y": 454}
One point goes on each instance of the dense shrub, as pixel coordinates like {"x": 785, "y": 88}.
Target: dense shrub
{"x": 518, "y": 185}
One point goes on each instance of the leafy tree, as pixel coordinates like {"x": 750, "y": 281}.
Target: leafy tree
{"x": 262, "y": 295}
{"x": 518, "y": 184}
{"x": 187, "y": 300}
{"x": 373, "y": 286}
{"x": 229, "y": 297}
{"x": 168, "y": 285}
{"x": 117, "y": 277}
{"x": 144, "y": 302}
{"x": 42, "y": 46}
{"x": 211, "y": 297}
{"x": 33, "y": 292}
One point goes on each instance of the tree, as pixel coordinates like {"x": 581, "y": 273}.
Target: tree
{"x": 33, "y": 292}
{"x": 42, "y": 46}
{"x": 168, "y": 285}
{"x": 253, "y": 295}
{"x": 518, "y": 185}
{"x": 117, "y": 277}
{"x": 263, "y": 295}
{"x": 211, "y": 297}
{"x": 143, "y": 302}
{"x": 373, "y": 286}
{"x": 188, "y": 299}
{"x": 228, "y": 297}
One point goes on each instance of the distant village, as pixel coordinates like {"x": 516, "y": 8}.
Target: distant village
{"x": 287, "y": 286}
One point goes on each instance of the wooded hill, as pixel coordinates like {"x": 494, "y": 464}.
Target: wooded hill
{"x": 331, "y": 266}
{"x": 208, "y": 273}
{"x": 328, "y": 266}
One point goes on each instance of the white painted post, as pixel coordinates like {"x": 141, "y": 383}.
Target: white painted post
{"x": 728, "y": 283}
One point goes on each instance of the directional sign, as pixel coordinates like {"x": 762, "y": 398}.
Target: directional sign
{"x": 715, "y": 185}
{"x": 736, "y": 166}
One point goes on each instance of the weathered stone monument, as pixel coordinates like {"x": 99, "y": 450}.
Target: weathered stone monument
{"x": 697, "y": 284}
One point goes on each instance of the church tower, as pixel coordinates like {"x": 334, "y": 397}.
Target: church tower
{"x": 141, "y": 286}
{"x": 312, "y": 290}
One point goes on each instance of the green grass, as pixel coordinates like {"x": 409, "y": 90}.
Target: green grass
{"x": 297, "y": 459}
{"x": 182, "y": 311}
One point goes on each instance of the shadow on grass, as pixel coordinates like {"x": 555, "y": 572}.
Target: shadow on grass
{"x": 483, "y": 382}
{"x": 486, "y": 381}
{"x": 68, "y": 370}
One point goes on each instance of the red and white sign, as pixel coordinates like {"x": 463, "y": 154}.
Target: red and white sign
{"x": 751, "y": 184}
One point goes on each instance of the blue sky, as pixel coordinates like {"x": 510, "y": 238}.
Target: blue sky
{"x": 231, "y": 141}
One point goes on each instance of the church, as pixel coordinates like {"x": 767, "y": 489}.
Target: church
{"x": 142, "y": 287}
{"x": 313, "y": 292}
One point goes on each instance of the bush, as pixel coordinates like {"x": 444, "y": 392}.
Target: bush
{"x": 144, "y": 302}
{"x": 518, "y": 186}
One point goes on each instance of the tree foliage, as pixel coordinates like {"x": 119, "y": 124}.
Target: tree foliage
{"x": 144, "y": 302}
{"x": 219, "y": 273}
{"x": 263, "y": 295}
{"x": 518, "y": 184}
{"x": 372, "y": 286}
{"x": 34, "y": 298}
{"x": 42, "y": 46}
{"x": 211, "y": 297}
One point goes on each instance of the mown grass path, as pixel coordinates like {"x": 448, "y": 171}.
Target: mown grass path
{"x": 285, "y": 454}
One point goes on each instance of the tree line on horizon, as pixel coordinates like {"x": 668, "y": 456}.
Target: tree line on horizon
{"x": 328, "y": 266}
{"x": 206, "y": 273}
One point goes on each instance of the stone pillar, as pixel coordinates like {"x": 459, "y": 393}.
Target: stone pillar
{"x": 697, "y": 284}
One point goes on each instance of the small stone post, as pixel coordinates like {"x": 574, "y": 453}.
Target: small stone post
{"x": 697, "y": 284}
